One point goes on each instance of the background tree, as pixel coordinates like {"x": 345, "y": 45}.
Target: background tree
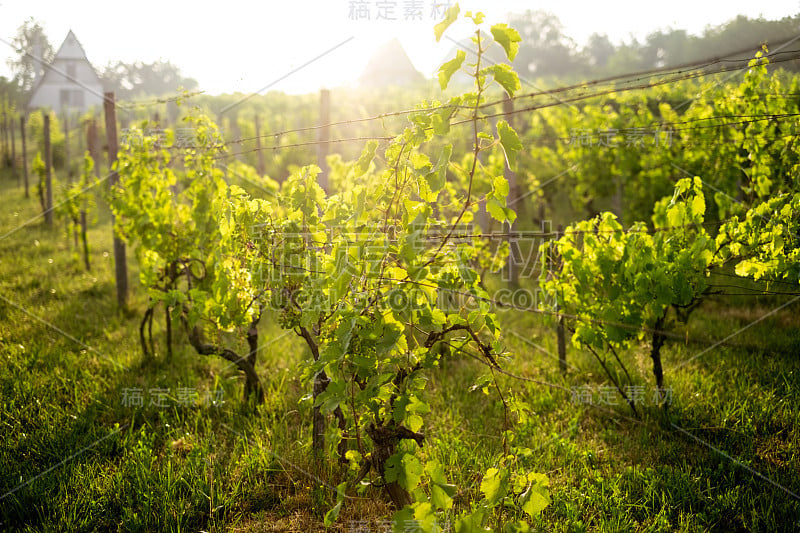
{"x": 33, "y": 52}
{"x": 10, "y": 92}
{"x": 672, "y": 47}
{"x": 598, "y": 50}
{"x": 129, "y": 80}
{"x": 545, "y": 49}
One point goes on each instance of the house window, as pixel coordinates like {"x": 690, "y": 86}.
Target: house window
{"x": 71, "y": 98}
{"x": 70, "y": 71}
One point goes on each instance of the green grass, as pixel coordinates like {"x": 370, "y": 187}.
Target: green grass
{"x": 78, "y": 459}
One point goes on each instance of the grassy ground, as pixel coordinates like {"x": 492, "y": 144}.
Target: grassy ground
{"x": 78, "y": 454}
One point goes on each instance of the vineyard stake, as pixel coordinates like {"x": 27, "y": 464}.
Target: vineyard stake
{"x": 120, "y": 266}
{"x": 24, "y": 154}
{"x": 324, "y": 137}
{"x": 48, "y": 162}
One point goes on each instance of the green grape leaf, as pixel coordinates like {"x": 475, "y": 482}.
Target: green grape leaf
{"x": 698, "y": 205}
{"x": 333, "y": 514}
{"x": 449, "y": 68}
{"x": 473, "y": 522}
{"x": 482, "y": 383}
{"x": 438, "y": 176}
{"x": 500, "y": 187}
{"x": 494, "y": 485}
{"x": 535, "y": 500}
{"x": 499, "y": 211}
{"x": 505, "y": 76}
{"x": 436, "y": 472}
{"x": 442, "y": 496}
{"x": 401, "y": 518}
{"x": 478, "y": 17}
{"x": 440, "y": 121}
{"x": 449, "y": 17}
{"x": 508, "y": 38}
{"x": 405, "y": 469}
{"x": 362, "y": 165}
{"x": 510, "y": 141}
{"x": 330, "y": 399}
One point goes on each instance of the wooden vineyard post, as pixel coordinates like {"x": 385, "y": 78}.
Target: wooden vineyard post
{"x": 120, "y": 266}
{"x": 560, "y": 330}
{"x": 12, "y": 126}
{"x": 24, "y": 154}
{"x": 67, "y": 170}
{"x": 92, "y": 145}
{"x": 5, "y": 136}
{"x": 48, "y": 163}
{"x": 259, "y": 151}
{"x": 324, "y": 137}
{"x": 234, "y": 135}
{"x": 85, "y": 243}
{"x": 512, "y": 201}
{"x": 66, "y": 147}
{"x": 94, "y": 153}
{"x": 562, "y": 345}
{"x": 514, "y": 196}
{"x": 79, "y": 141}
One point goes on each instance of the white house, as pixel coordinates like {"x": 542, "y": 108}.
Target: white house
{"x": 390, "y": 66}
{"x": 69, "y": 83}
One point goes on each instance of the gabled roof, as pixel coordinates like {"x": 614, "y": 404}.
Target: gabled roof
{"x": 390, "y": 65}
{"x": 70, "y": 49}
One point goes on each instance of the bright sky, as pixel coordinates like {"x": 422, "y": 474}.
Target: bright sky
{"x": 245, "y": 46}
